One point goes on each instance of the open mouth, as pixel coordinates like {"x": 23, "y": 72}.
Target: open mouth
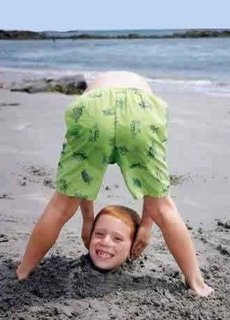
{"x": 104, "y": 254}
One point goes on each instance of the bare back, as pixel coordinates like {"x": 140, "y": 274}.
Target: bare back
{"x": 120, "y": 79}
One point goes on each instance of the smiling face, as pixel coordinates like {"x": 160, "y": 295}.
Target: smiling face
{"x": 110, "y": 243}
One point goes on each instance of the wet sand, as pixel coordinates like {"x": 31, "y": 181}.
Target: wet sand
{"x": 65, "y": 286}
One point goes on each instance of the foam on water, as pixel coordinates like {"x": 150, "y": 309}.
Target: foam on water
{"x": 195, "y": 85}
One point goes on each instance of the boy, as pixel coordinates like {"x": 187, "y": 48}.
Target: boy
{"x": 113, "y": 233}
{"x": 118, "y": 120}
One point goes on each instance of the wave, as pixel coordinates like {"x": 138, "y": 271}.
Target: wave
{"x": 197, "y": 85}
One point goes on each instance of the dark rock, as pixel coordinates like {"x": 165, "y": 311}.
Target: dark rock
{"x": 223, "y": 250}
{"x": 37, "y": 171}
{"x": 67, "y": 85}
{"x": 224, "y": 224}
{"x": 6, "y": 196}
{"x": 3, "y": 238}
{"x": 49, "y": 183}
{"x": 31, "y": 87}
{"x": 176, "y": 179}
{"x": 188, "y": 226}
{"x": 11, "y": 104}
{"x": 204, "y": 240}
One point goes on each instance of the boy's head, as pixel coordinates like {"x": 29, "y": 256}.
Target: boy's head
{"x": 113, "y": 234}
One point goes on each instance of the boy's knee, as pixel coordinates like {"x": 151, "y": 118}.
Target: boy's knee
{"x": 64, "y": 216}
{"x": 64, "y": 207}
{"x": 162, "y": 210}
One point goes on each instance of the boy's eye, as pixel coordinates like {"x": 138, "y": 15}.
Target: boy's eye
{"x": 118, "y": 239}
{"x": 97, "y": 233}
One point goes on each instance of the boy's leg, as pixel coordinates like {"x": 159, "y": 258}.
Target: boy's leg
{"x": 177, "y": 237}
{"x": 59, "y": 210}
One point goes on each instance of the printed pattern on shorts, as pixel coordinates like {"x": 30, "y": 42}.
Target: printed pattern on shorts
{"x": 123, "y": 126}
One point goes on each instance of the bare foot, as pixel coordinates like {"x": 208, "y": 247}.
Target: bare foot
{"x": 203, "y": 291}
{"x": 199, "y": 287}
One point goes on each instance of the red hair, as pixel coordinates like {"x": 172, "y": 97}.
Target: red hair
{"x": 125, "y": 214}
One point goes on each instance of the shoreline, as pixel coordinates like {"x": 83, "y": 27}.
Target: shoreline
{"x": 182, "y": 85}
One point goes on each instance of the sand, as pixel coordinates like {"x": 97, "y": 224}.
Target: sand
{"x": 65, "y": 285}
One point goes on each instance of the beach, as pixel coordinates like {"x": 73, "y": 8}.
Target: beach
{"x": 65, "y": 285}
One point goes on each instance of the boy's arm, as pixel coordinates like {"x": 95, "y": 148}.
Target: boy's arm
{"x": 143, "y": 237}
{"x": 87, "y": 210}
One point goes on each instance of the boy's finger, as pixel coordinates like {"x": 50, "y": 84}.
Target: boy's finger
{"x": 139, "y": 246}
{"x": 137, "y": 249}
{"x": 86, "y": 241}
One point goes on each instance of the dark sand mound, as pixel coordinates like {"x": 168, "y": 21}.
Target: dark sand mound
{"x": 71, "y": 288}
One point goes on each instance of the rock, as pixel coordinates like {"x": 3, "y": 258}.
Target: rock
{"x": 223, "y": 250}
{"x": 3, "y": 238}
{"x": 67, "y": 85}
{"x": 176, "y": 179}
{"x": 189, "y": 227}
{"x": 31, "y": 87}
{"x": 224, "y": 224}
{"x": 204, "y": 240}
{"x": 11, "y": 104}
{"x": 5, "y": 196}
{"x": 49, "y": 183}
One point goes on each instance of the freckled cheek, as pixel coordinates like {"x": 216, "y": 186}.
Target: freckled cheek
{"x": 124, "y": 250}
{"x": 93, "y": 244}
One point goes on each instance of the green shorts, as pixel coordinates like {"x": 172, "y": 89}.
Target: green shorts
{"x": 115, "y": 125}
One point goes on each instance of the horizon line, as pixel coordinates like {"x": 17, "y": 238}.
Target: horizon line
{"x": 101, "y": 30}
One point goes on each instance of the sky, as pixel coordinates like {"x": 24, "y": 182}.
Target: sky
{"x": 67, "y": 15}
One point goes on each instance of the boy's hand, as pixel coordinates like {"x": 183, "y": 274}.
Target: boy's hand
{"x": 142, "y": 239}
{"x": 86, "y": 231}
{"x": 87, "y": 209}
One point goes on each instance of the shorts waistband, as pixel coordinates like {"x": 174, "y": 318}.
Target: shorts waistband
{"x": 123, "y": 90}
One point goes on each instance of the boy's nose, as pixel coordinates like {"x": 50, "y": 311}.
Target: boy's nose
{"x": 106, "y": 241}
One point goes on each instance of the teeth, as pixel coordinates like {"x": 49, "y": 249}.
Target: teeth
{"x": 104, "y": 254}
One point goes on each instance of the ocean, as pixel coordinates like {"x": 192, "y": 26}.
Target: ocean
{"x": 184, "y": 64}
